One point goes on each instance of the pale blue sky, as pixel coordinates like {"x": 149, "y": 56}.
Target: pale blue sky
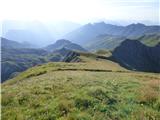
{"x": 80, "y": 10}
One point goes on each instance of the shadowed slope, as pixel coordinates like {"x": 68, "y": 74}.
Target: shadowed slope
{"x": 136, "y": 56}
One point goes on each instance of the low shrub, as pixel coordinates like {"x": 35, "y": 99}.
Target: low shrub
{"x": 83, "y": 103}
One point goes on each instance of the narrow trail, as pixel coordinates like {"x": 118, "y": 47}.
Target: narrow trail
{"x": 91, "y": 70}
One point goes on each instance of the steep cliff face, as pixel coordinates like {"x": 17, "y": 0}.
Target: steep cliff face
{"x": 72, "y": 57}
{"x": 136, "y": 56}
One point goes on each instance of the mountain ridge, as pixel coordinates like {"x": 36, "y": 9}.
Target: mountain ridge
{"x": 89, "y": 31}
{"x": 6, "y": 43}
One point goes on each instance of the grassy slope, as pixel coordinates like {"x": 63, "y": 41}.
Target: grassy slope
{"x": 90, "y": 90}
{"x": 104, "y": 42}
{"x": 150, "y": 40}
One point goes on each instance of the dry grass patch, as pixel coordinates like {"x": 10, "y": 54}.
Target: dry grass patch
{"x": 149, "y": 94}
{"x": 155, "y": 84}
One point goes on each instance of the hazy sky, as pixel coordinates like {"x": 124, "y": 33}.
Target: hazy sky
{"x": 79, "y": 10}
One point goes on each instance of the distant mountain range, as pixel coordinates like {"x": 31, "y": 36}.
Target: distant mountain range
{"x": 38, "y": 38}
{"x": 5, "y": 43}
{"x": 134, "y": 55}
{"x": 42, "y": 34}
{"x": 88, "y": 32}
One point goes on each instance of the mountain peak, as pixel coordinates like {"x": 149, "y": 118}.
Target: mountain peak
{"x": 63, "y": 41}
{"x": 137, "y": 25}
{"x": 88, "y": 25}
{"x": 140, "y": 24}
{"x": 100, "y": 23}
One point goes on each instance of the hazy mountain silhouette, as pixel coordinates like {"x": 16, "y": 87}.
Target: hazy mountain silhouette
{"x": 34, "y": 32}
{"x": 40, "y": 33}
{"x": 5, "y": 43}
{"x": 59, "y": 29}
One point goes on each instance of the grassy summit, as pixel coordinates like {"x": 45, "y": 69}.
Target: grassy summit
{"x": 93, "y": 89}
